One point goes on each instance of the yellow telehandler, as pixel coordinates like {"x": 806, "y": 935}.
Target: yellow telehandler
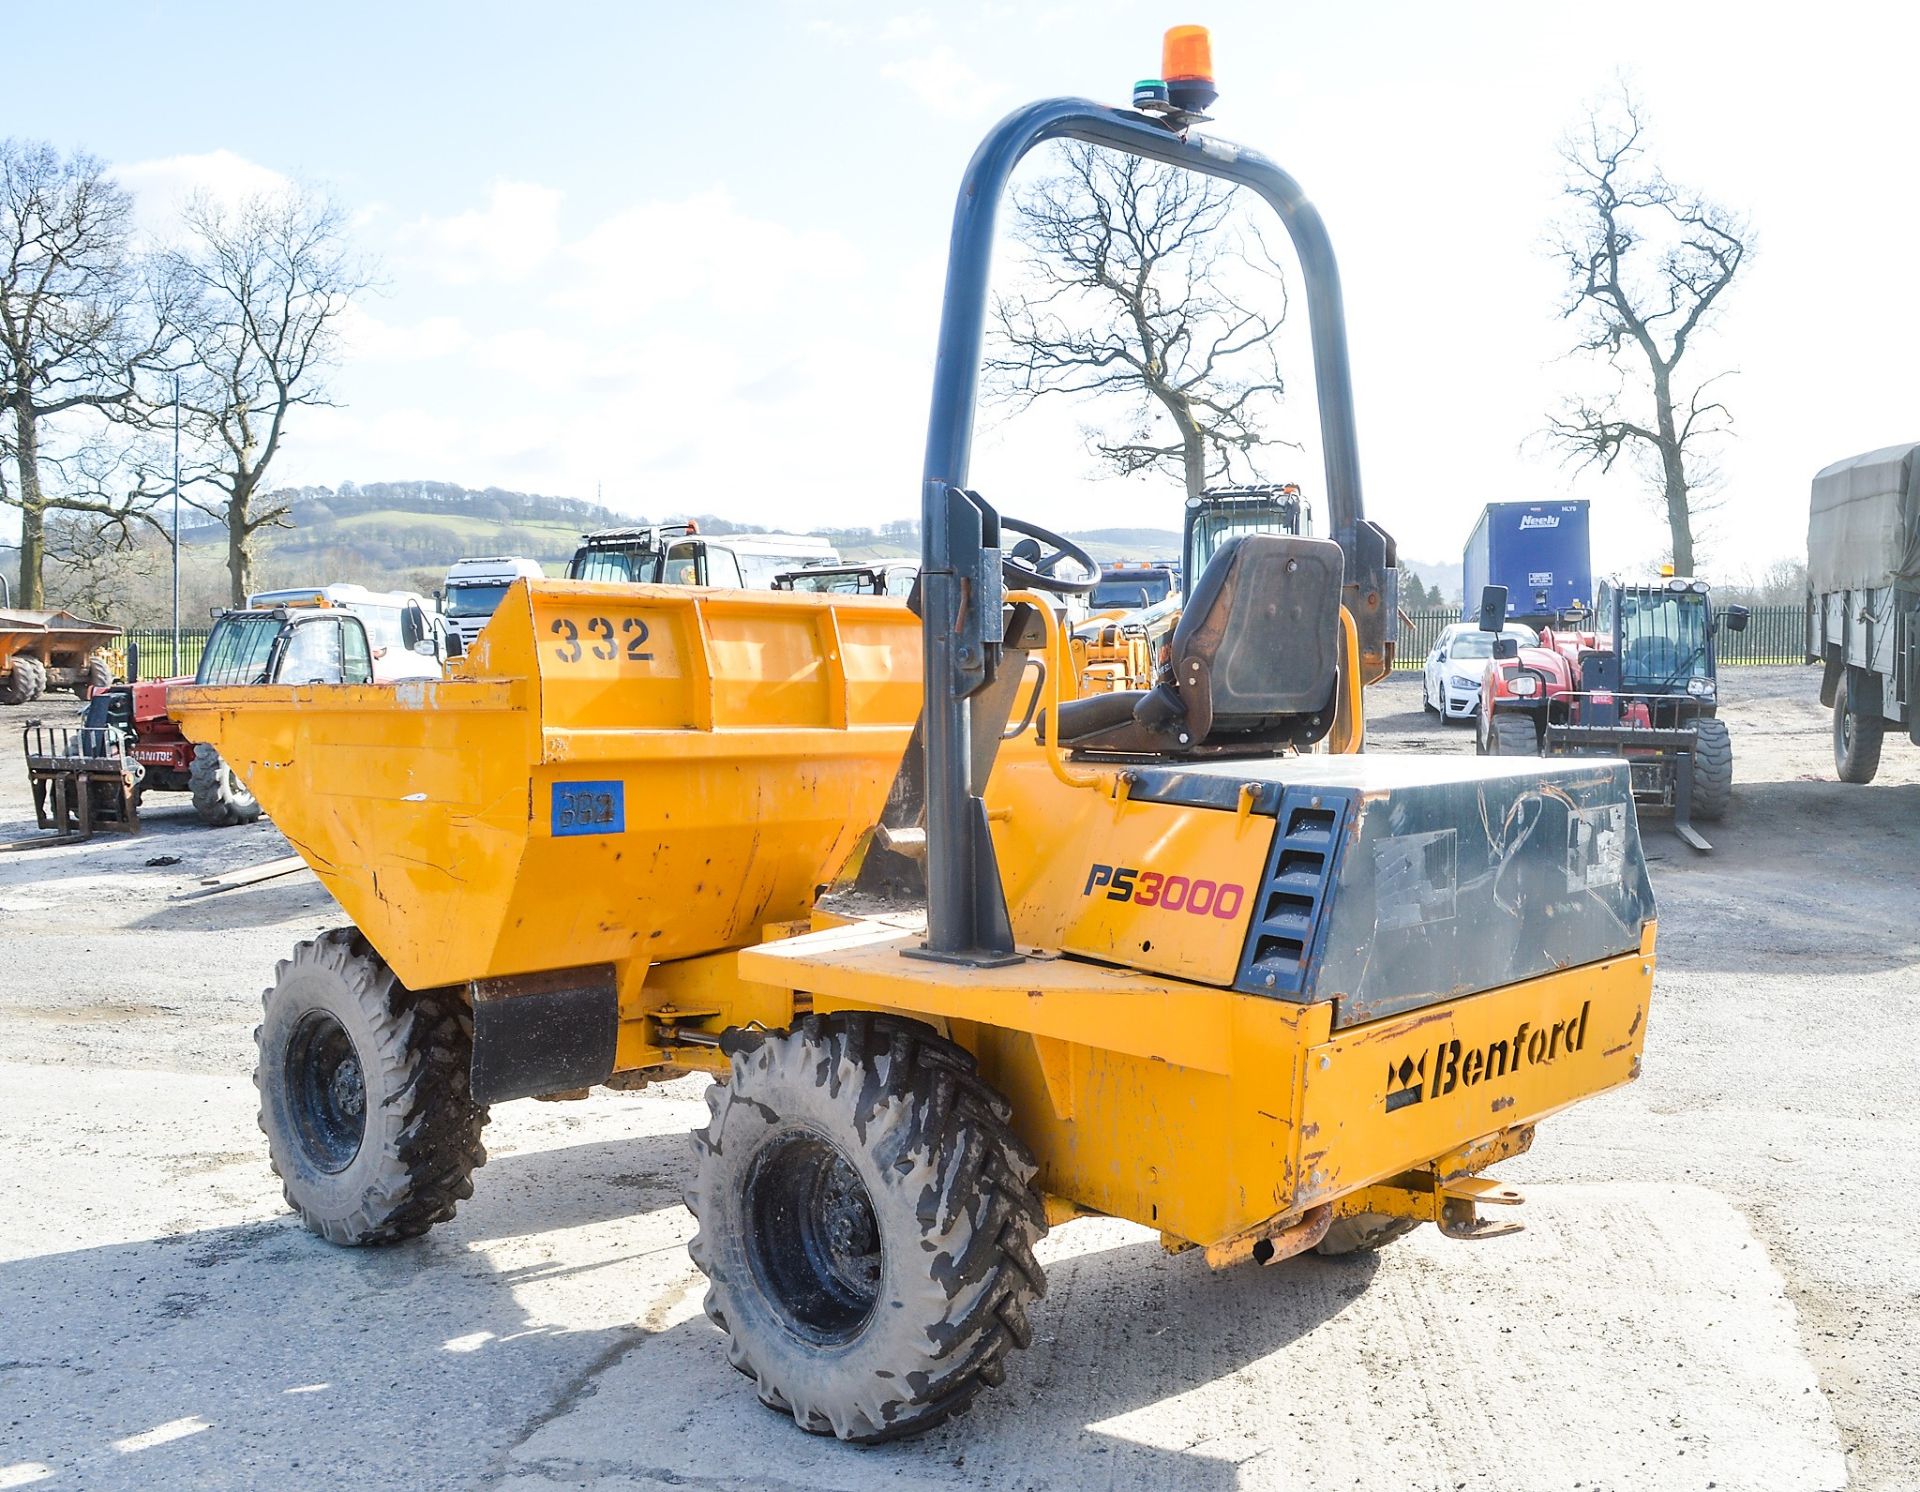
{"x": 1186, "y": 956}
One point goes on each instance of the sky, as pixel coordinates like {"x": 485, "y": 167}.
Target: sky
{"x": 688, "y": 258}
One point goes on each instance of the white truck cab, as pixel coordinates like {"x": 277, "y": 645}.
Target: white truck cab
{"x": 679, "y": 554}
{"x": 475, "y": 586}
{"x": 405, "y": 635}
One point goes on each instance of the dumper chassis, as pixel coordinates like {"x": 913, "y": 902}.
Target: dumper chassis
{"x": 1186, "y": 957}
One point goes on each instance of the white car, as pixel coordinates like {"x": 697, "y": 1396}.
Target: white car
{"x": 1456, "y": 665}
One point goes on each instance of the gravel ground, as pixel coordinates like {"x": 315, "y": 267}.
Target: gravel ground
{"x": 1715, "y": 1290}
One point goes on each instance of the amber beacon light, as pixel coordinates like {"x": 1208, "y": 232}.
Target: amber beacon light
{"x": 1186, "y": 63}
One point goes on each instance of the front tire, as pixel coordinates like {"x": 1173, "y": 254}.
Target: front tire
{"x": 99, "y": 676}
{"x": 1506, "y": 733}
{"x": 867, "y": 1222}
{"x": 364, "y": 1095}
{"x": 1856, "y": 736}
{"x": 220, "y": 798}
{"x": 24, "y": 682}
{"x": 1712, "y": 769}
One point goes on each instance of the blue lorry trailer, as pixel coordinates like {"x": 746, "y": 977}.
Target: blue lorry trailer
{"x": 1538, "y": 551}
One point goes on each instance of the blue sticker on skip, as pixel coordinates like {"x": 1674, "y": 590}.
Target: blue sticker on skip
{"x": 589, "y": 808}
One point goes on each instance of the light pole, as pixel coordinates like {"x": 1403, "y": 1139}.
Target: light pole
{"x": 174, "y": 666}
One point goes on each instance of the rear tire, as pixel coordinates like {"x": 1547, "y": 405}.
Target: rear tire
{"x": 1712, "y": 769}
{"x": 866, "y": 1222}
{"x": 220, "y": 798}
{"x": 364, "y": 1095}
{"x": 1856, "y": 736}
{"x": 1363, "y": 1232}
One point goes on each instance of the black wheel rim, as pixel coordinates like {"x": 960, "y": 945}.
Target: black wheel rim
{"x": 812, "y": 1238}
{"x": 327, "y": 1091}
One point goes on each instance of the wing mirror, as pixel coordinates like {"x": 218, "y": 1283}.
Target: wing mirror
{"x": 456, "y": 644}
{"x": 1735, "y": 618}
{"x": 1493, "y": 610}
{"x": 1506, "y": 647}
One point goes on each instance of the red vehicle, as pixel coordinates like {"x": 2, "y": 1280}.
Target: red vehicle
{"x": 1638, "y": 681}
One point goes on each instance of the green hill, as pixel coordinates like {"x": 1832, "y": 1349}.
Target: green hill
{"x": 404, "y": 535}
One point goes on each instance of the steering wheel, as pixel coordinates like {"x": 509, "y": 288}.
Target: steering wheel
{"x": 1030, "y": 564}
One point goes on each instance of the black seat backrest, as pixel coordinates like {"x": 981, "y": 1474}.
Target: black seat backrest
{"x": 1254, "y": 662}
{"x": 1259, "y": 637}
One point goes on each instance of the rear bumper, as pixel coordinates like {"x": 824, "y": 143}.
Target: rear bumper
{"x": 1390, "y": 1096}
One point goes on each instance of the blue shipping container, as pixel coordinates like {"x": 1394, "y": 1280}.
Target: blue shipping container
{"x": 1538, "y": 551}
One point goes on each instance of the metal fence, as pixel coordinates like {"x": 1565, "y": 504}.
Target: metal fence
{"x": 150, "y": 652}
{"x": 1775, "y": 634}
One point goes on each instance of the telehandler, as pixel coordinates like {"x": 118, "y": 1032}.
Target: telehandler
{"x": 1186, "y": 957}
{"x": 1116, "y": 649}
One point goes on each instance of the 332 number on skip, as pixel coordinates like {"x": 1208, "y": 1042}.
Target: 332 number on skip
{"x": 598, "y": 637}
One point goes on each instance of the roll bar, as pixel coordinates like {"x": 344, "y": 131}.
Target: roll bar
{"x": 961, "y": 592}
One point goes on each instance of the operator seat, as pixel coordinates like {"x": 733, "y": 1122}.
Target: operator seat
{"x": 1252, "y": 667}
{"x": 1650, "y": 659}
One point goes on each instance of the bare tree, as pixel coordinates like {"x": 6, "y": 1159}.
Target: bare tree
{"x": 78, "y": 328}
{"x": 1647, "y": 263}
{"x": 89, "y": 564}
{"x": 267, "y": 282}
{"x": 1132, "y": 294}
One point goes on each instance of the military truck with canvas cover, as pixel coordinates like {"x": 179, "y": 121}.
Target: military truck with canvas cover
{"x": 1863, "y": 601}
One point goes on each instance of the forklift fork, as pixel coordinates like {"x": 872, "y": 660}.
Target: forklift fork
{"x": 1683, "y": 802}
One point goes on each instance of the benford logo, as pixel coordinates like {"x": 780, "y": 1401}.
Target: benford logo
{"x": 1412, "y": 1079}
{"x": 1539, "y": 520}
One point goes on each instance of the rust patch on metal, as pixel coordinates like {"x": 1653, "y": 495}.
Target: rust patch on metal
{"x": 1500, "y": 1104}
{"x": 1637, "y": 1013}
{"x": 1309, "y": 1131}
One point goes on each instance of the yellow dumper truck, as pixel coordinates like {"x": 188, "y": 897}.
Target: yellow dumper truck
{"x": 1184, "y": 955}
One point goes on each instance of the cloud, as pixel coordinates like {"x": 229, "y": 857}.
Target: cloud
{"x": 894, "y": 29}
{"x": 945, "y": 82}
{"x": 700, "y": 249}
{"x": 366, "y": 338}
{"x": 515, "y": 234}
{"x": 162, "y": 186}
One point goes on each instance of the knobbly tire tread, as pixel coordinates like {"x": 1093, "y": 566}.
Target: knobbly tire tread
{"x": 213, "y": 799}
{"x": 424, "y": 1051}
{"x": 1510, "y": 734}
{"x": 1712, "y": 769}
{"x": 1859, "y": 764}
{"x": 24, "y": 681}
{"x": 964, "y": 1242}
{"x": 1363, "y": 1232}
{"x": 99, "y": 676}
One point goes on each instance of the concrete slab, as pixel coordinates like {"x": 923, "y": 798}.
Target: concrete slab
{"x": 162, "y": 1324}
{"x": 1634, "y": 1337}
